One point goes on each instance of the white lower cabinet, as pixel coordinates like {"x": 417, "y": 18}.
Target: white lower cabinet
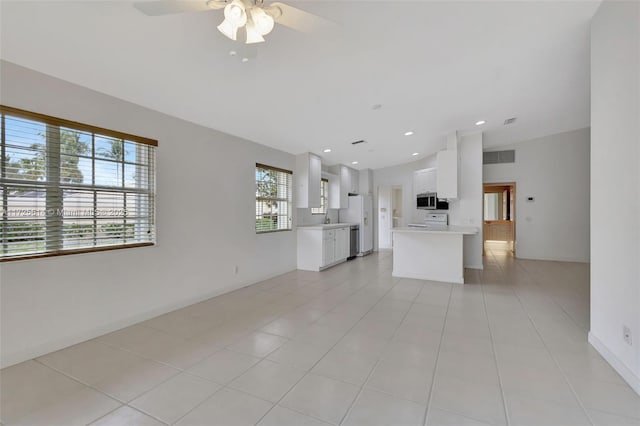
{"x": 342, "y": 241}
{"x": 328, "y": 247}
{"x": 321, "y": 248}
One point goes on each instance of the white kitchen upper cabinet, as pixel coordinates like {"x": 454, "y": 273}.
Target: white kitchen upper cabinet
{"x": 366, "y": 181}
{"x": 347, "y": 181}
{"x": 354, "y": 181}
{"x": 345, "y": 186}
{"x": 424, "y": 180}
{"x": 447, "y": 182}
{"x": 334, "y": 193}
{"x": 308, "y": 176}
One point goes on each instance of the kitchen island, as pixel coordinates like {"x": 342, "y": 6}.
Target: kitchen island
{"x": 430, "y": 253}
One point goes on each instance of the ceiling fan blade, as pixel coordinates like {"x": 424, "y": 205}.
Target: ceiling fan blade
{"x": 300, "y": 20}
{"x": 169, "y": 7}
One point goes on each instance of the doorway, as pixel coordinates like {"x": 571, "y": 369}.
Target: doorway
{"x": 390, "y": 214}
{"x": 499, "y": 214}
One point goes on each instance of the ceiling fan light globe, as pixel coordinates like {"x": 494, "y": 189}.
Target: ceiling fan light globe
{"x": 263, "y": 21}
{"x": 228, "y": 29}
{"x": 235, "y": 13}
{"x": 253, "y": 34}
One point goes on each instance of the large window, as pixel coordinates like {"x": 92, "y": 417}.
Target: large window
{"x": 67, "y": 187}
{"x": 273, "y": 199}
{"x": 324, "y": 198}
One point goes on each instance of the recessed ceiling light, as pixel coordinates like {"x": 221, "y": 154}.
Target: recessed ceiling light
{"x": 415, "y": 153}
{"x": 327, "y": 150}
{"x": 480, "y": 123}
{"x": 233, "y": 53}
{"x": 354, "y": 162}
{"x": 245, "y": 60}
{"x": 409, "y": 133}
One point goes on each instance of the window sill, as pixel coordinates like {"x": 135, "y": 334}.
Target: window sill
{"x": 78, "y": 251}
{"x": 271, "y": 232}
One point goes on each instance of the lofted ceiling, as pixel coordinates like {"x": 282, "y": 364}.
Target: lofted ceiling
{"x": 434, "y": 66}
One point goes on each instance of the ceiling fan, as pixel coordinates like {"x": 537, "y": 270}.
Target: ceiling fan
{"x": 253, "y": 18}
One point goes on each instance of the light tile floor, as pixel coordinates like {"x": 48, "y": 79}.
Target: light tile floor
{"x": 350, "y": 345}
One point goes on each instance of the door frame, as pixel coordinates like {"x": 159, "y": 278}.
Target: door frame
{"x": 513, "y": 212}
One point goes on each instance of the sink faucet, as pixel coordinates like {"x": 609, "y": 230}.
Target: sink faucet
{"x": 327, "y": 219}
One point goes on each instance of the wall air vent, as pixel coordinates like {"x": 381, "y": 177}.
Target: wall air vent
{"x": 510, "y": 121}
{"x": 358, "y": 142}
{"x": 499, "y": 157}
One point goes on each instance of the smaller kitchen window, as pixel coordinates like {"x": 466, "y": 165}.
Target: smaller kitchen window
{"x": 273, "y": 199}
{"x": 324, "y": 198}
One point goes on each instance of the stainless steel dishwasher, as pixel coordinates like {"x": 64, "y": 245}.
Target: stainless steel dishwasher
{"x": 354, "y": 241}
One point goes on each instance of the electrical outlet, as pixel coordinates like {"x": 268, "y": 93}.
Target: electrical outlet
{"x": 626, "y": 335}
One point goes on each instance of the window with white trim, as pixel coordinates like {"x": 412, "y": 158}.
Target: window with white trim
{"x": 324, "y": 198}
{"x": 273, "y": 199}
{"x": 67, "y": 187}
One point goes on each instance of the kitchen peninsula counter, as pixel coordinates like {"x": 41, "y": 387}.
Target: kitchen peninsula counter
{"x": 432, "y": 253}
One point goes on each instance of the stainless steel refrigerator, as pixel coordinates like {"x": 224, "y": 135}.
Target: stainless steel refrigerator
{"x": 360, "y": 211}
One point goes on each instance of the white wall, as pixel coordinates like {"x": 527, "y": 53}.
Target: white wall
{"x": 47, "y": 304}
{"x": 555, "y": 171}
{"x": 305, "y": 217}
{"x": 400, "y": 176}
{"x": 615, "y": 179}
{"x": 396, "y": 202}
{"x": 465, "y": 211}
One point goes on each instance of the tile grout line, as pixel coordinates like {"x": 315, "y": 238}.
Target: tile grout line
{"x": 306, "y": 373}
{"x": 549, "y": 351}
{"x": 375, "y": 365}
{"x": 186, "y": 370}
{"x": 128, "y": 406}
{"x": 495, "y": 354}
{"x": 333, "y": 346}
{"x": 552, "y": 300}
{"x": 178, "y": 370}
{"x": 143, "y": 357}
{"x": 553, "y": 357}
{"x": 112, "y": 397}
{"x": 435, "y": 365}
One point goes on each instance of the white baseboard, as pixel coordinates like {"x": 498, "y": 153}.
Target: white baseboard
{"x": 552, "y": 258}
{"x": 623, "y": 370}
{"x": 481, "y": 267}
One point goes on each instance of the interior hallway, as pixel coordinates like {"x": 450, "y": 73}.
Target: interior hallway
{"x": 350, "y": 345}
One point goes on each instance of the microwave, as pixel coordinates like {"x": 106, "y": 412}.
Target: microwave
{"x": 430, "y": 201}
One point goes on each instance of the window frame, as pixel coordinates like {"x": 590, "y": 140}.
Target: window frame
{"x": 324, "y": 198}
{"x": 288, "y": 199}
{"x": 54, "y": 188}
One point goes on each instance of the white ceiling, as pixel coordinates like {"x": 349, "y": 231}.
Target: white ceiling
{"x": 434, "y": 66}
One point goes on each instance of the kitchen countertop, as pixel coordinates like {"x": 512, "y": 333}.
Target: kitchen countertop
{"x": 324, "y": 226}
{"x": 451, "y": 229}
